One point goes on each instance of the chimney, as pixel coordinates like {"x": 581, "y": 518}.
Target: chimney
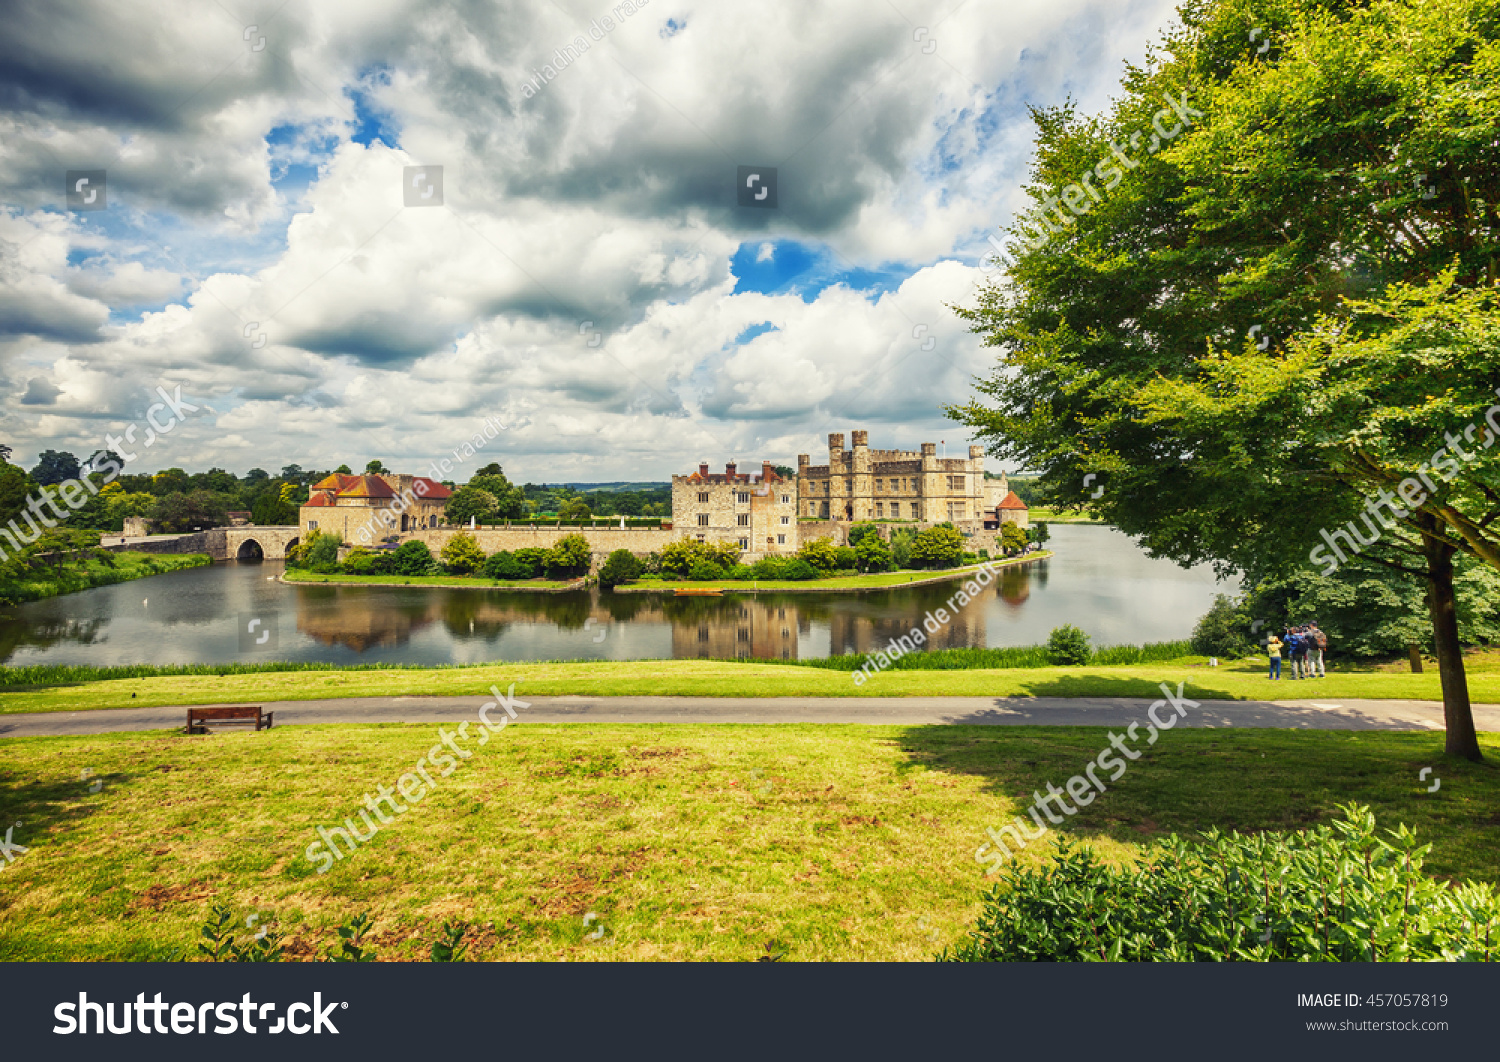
{"x": 703, "y": 469}
{"x": 729, "y": 471}
{"x": 766, "y": 472}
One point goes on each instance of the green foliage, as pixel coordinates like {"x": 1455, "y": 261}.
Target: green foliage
{"x": 449, "y": 947}
{"x": 322, "y": 553}
{"x": 1039, "y": 533}
{"x": 845, "y": 559}
{"x": 571, "y": 555}
{"x": 941, "y": 546}
{"x": 503, "y": 564}
{"x": 872, "y": 554}
{"x": 352, "y": 944}
{"x": 679, "y": 557}
{"x": 859, "y": 532}
{"x": 798, "y": 570}
{"x": 901, "y": 543}
{"x": 820, "y": 553}
{"x": 768, "y": 569}
{"x": 470, "y": 502}
{"x": 1223, "y": 631}
{"x": 55, "y": 466}
{"x": 704, "y": 571}
{"x": 1068, "y": 646}
{"x": 575, "y": 509}
{"x": 1335, "y": 893}
{"x": 1012, "y": 539}
{"x": 533, "y": 561}
{"x": 620, "y": 567}
{"x": 179, "y": 512}
{"x": 740, "y": 573}
{"x": 510, "y": 500}
{"x": 462, "y": 555}
{"x": 361, "y": 561}
{"x": 414, "y": 558}
{"x": 15, "y": 487}
{"x": 374, "y": 467}
{"x": 1015, "y": 656}
{"x": 219, "y": 945}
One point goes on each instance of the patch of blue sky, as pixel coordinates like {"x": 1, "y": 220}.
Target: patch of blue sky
{"x": 371, "y": 121}
{"x": 787, "y": 267}
{"x": 750, "y": 333}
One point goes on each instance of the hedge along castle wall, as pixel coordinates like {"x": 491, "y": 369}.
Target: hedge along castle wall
{"x": 602, "y": 540}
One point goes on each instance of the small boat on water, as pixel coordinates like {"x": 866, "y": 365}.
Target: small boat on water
{"x": 699, "y": 591}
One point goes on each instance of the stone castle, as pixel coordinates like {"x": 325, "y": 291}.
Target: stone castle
{"x": 763, "y": 513}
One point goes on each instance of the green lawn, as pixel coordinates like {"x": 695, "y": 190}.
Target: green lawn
{"x": 48, "y": 582}
{"x": 870, "y": 581}
{"x": 720, "y": 678}
{"x": 686, "y": 842}
{"x": 1060, "y": 516}
{"x": 294, "y": 575}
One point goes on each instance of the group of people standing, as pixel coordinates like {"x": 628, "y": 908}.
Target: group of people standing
{"x": 1304, "y": 647}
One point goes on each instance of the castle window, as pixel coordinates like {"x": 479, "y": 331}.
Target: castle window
{"x": 879, "y": 485}
{"x": 781, "y": 539}
{"x": 744, "y": 520}
{"x": 702, "y": 519}
{"x": 744, "y": 543}
{"x": 786, "y": 520}
{"x": 701, "y": 538}
{"x": 312, "y": 525}
{"x": 703, "y": 497}
{"x": 880, "y": 510}
{"x": 742, "y": 634}
{"x": 786, "y": 500}
{"x": 703, "y": 634}
{"x": 743, "y": 498}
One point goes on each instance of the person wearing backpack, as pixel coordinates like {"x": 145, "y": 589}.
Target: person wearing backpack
{"x": 1273, "y": 647}
{"x": 1295, "y": 651}
{"x": 1317, "y": 643}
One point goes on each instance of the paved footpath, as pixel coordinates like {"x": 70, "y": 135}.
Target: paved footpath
{"x": 888, "y": 711}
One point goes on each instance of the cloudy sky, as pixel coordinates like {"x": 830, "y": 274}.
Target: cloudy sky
{"x": 589, "y": 279}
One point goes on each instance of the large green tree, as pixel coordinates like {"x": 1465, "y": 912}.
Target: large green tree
{"x": 1276, "y": 302}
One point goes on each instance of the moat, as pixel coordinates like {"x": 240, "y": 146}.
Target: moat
{"x": 1098, "y": 580}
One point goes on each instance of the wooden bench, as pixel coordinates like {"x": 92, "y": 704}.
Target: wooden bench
{"x": 234, "y": 715}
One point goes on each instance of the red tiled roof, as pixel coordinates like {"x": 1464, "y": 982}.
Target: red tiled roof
{"x": 435, "y": 490}
{"x": 367, "y": 487}
{"x": 335, "y": 481}
{"x": 1010, "y": 501}
{"x": 318, "y": 500}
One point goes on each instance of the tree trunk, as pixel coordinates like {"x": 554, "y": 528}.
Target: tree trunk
{"x": 1458, "y": 713}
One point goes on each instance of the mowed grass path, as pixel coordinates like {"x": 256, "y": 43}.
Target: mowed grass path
{"x": 718, "y": 678}
{"x": 687, "y": 842}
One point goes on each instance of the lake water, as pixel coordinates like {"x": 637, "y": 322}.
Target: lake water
{"x": 1098, "y": 580}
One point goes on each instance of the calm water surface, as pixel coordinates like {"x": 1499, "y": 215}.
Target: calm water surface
{"x": 1098, "y": 580}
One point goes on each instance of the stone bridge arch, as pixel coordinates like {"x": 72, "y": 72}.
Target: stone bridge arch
{"x": 241, "y": 543}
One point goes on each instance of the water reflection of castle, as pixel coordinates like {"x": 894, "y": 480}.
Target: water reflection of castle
{"x": 764, "y": 627}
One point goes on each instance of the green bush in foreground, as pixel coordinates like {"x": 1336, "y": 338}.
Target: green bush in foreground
{"x": 1334, "y": 893}
{"x": 621, "y": 566}
{"x": 1068, "y": 646}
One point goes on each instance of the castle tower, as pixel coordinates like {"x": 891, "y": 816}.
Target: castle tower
{"x": 837, "y": 496}
{"x": 862, "y": 503}
{"x": 931, "y": 481}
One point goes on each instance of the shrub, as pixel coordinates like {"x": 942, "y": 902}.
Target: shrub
{"x": 799, "y": 570}
{"x": 937, "y": 547}
{"x": 845, "y": 559}
{"x": 1038, "y": 533}
{"x": 769, "y": 568}
{"x": 678, "y": 557}
{"x": 704, "y": 571}
{"x": 322, "y": 553}
{"x": 502, "y": 564}
{"x": 414, "y": 558}
{"x": 901, "y": 542}
{"x": 820, "y": 553}
{"x": 462, "y": 555}
{"x": 533, "y": 561}
{"x": 1223, "y": 631}
{"x": 740, "y": 573}
{"x": 1334, "y": 893}
{"x": 360, "y": 561}
{"x": 1012, "y": 539}
{"x": 872, "y": 554}
{"x": 621, "y": 566}
{"x": 859, "y": 532}
{"x": 1068, "y": 645}
{"x": 470, "y": 502}
{"x": 571, "y": 555}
